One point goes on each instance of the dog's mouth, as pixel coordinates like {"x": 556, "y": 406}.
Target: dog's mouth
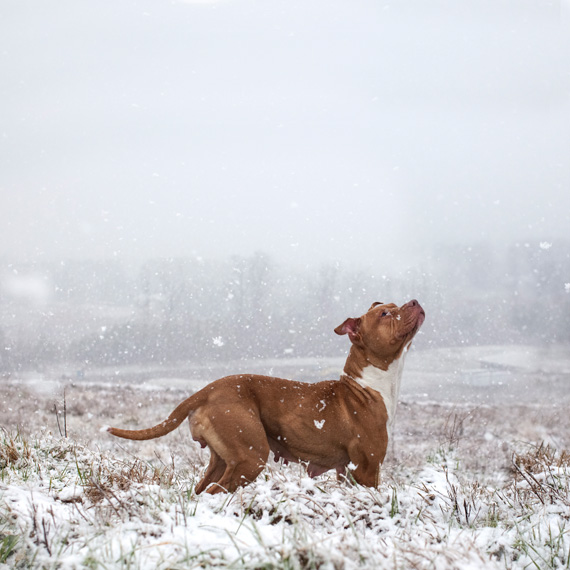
{"x": 413, "y": 320}
{"x": 421, "y": 318}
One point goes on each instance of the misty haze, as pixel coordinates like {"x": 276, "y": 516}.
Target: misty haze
{"x": 195, "y": 188}
{"x": 211, "y": 181}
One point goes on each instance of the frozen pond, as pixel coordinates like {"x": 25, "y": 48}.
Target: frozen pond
{"x": 489, "y": 375}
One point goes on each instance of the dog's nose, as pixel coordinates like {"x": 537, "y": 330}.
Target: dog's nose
{"x": 414, "y": 304}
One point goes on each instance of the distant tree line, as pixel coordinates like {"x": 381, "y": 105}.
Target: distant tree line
{"x": 164, "y": 311}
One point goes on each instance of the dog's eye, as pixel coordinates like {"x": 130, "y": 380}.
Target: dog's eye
{"x": 386, "y": 313}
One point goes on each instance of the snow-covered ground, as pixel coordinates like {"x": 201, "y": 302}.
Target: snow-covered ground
{"x": 478, "y": 476}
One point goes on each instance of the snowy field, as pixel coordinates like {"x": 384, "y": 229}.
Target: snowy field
{"x": 478, "y": 475}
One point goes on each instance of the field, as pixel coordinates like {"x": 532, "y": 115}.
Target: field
{"x": 478, "y": 477}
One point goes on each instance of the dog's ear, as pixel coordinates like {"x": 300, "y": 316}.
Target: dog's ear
{"x": 375, "y": 304}
{"x": 350, "y": 327}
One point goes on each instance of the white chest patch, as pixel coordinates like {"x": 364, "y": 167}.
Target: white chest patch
{"x": 387, "y": 382}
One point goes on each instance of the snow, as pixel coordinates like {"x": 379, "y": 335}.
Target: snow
{"x": 217, "y": 528}
{"x": 467, "y": 487}
{"x": 71, "y": 505}
{"x": 218, "y": 341}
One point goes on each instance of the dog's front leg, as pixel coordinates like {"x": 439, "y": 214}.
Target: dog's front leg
{"x": 364, "y": 466}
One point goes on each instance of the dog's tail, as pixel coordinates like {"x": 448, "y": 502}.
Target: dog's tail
{"x": 173, "y": 421}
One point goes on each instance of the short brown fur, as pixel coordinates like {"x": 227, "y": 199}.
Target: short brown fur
{"x": 336, "y": 424}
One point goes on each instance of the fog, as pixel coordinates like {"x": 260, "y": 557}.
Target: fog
{"x": 158, "y": 156}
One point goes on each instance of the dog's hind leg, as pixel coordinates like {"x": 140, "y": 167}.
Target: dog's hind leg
{"x": 246, "y": 457}
{"x": 237, "y": 442}
{"x": 241, "y": 473}
{"x": 214, "y": 472}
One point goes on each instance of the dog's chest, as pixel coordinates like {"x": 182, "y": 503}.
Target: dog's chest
{"x": 386, "y": 382}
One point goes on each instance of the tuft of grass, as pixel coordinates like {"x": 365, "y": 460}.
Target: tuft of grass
{"x": 544, "y": 473}
{"x": 8, "y": 453}
{"x": 394, "y": 505}
{"x": 545, "y": 548}
{"x": 100, "y": 482}
{"x": 7, "y": 546}
{"x": 492, "y": 518}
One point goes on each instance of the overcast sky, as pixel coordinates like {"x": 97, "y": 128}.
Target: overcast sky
{"x": 309, "y": 129}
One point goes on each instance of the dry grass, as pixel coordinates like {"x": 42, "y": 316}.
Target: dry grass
{"x": 485, "y": 436}
{"x": 123, "y": 476}
{"x": 454, "y": 474}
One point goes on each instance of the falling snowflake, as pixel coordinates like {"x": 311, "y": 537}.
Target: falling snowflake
{"x": 319, "y": 425}
{"x": 567, "y": 287}
{"x": 218, "y": 341}
{"x": 545, "y": 245}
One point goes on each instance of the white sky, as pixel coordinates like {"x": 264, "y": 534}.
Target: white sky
{"x": 303, "y": 128}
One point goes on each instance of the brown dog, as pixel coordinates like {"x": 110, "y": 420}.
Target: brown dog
{"x": 338, "y": 424}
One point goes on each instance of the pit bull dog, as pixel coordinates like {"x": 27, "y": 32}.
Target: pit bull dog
{"x": 340, "y": 424}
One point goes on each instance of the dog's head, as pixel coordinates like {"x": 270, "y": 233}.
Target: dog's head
{"x": 385, "y": 330}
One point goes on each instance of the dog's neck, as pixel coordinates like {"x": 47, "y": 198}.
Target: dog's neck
{"x": 385, "y": 382}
